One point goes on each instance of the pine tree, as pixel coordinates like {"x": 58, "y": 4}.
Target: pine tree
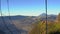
{"x": 59, "y": 18}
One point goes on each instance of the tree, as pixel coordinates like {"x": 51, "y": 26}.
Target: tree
{"x": 59, "y": 17}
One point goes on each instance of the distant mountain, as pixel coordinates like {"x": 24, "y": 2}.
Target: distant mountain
{"x": 14, "y": 17}
{"x": 42, "y": 15}
{"x": 49, "y": 17}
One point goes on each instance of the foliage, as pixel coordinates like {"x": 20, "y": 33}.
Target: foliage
{"x": 40, "y": 28}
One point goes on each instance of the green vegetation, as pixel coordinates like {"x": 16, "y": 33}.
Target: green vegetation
{"x": 53, "y": 27}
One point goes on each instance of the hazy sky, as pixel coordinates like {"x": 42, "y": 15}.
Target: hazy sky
{"x": 30, "y": 7}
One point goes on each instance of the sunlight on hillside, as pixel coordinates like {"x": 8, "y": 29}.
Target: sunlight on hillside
{"x": 53, "y": 27}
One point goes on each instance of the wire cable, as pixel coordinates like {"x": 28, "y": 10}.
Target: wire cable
{"x": 8, "y": 9}
{"x": 10, "y": 15}
{"x": 3, "y": 19}
{"x": 46, "y": 16}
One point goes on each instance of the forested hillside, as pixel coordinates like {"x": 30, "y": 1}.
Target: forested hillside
{"x": 52, "y": 27}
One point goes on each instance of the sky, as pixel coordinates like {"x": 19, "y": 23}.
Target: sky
{"x": 29, "y": 7}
